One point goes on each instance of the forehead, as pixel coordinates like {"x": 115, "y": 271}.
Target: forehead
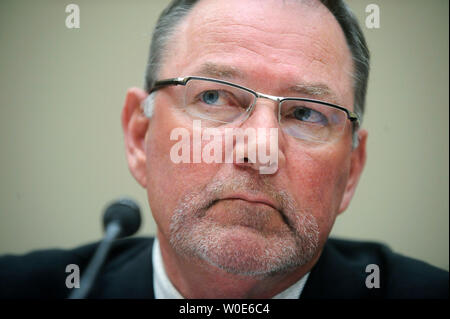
{"x": 287, "y": 41}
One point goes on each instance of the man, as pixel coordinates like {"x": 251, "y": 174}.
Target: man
{"x": 243, "y": 78}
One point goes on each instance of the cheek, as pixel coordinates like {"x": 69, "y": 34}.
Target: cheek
{"x": 167, "y": 181}
{"x": 319, "y": 178}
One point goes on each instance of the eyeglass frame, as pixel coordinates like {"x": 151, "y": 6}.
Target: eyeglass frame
{"x": 352, "y": 116}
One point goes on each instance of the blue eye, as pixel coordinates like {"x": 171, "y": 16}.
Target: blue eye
{"x": 305, "y": 114}
{"x": 210, "y": 97}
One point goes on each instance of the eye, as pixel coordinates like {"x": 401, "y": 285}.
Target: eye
{"x": 218, "y": 98}
{"x": 210, "y": 97}
{"x": 305, "y": 114}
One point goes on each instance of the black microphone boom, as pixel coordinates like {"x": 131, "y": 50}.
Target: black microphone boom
{"x": 121, "y": 219}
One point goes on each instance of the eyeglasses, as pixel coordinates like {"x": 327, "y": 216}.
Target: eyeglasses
{"x": 220, "y": 102}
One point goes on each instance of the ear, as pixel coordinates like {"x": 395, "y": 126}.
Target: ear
{"x": 135, "y": 125}
{"x": 357, "y": 162}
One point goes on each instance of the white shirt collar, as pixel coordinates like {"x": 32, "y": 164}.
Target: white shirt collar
{"x": 164, "y": 289}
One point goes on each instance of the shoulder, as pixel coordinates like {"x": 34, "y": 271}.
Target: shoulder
{"x": 369, "y": 269}
{"x": 43, "y": 273}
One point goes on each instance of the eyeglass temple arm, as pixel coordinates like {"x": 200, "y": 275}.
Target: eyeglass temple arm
{"x": 161, "y": 84}
{"x": 354, "y": 118}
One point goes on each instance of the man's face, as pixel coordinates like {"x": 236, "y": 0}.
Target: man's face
{"x": 230, "y": 215}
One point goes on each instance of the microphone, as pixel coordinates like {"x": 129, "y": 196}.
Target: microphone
{"x": 121, "y": 219}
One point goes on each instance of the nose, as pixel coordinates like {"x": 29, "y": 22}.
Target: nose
{"x": 259, "y": 144}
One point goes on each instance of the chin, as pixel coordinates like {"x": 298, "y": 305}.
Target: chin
{"x": 246, "y": 251}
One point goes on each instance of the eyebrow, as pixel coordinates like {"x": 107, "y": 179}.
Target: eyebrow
{"x": 210, "y": 69}
{"x": 317, "y": 90}
{"x": 314, "y": 90}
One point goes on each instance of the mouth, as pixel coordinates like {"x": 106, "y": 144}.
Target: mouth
{"x": 254, "y": 211}
{"x": 255, "y": 199}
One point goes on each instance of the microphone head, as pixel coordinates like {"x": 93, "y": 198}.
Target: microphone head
{"x": 126, "y": 213}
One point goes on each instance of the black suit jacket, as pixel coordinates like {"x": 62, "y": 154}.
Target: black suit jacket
{"x": 339, "y": 273}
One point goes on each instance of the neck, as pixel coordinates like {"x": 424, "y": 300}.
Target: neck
{"x": 195, "y": 278}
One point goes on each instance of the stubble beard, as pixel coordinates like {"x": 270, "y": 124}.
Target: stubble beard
{"x": 246, "y": 246}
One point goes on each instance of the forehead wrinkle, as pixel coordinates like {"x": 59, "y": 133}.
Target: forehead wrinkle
{"x": 215, "y": 29}
{"x": 262, "y": 39}
{"x": 228, "y": 35}
{"x": 202, "y": 23}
